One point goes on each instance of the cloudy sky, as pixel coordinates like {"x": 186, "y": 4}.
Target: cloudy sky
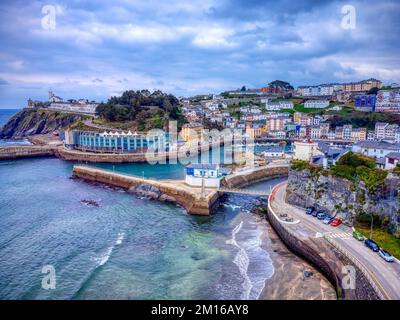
{"x": 100, "y": 48}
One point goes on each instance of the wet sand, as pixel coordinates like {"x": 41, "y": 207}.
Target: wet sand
{"x": 288, "y": 281}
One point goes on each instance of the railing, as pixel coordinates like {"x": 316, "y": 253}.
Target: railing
{"x": 375, "y": 285}
{"x": 243, "y": 191}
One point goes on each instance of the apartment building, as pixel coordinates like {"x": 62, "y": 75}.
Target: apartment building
{"x": 347, "y": 132}
{"x": 380, "y": 129}
{"x": 316, "y": 104}
{"x": 388, "y": 101}
{"x": 363, "y": 85}
{"x": 316, "y": 91}
{"x": 315, "y": 132}
{"x": 274, "y": 124}
{"x": 365, "y": 102}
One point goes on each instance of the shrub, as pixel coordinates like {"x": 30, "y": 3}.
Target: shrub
{"x": 299, "y": 165}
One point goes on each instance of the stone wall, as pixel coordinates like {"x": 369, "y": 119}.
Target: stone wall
{"x": 16, "y": 152}
{"x": 243, "y": 179}
{"x": 327, "y": 259}
{"x": 157, "y": 190}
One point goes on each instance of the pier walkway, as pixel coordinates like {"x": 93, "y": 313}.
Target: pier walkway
{"x": 262, "y": 193}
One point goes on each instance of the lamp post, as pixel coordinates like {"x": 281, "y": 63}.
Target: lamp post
{"x": 202, "y": 180}
{"x": 372, "y": 223}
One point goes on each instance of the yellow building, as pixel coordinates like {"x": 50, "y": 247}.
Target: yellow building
{"x": 364, "y": 85}
{"x": 191, "y": 132}
{"x": 359, "y": 134}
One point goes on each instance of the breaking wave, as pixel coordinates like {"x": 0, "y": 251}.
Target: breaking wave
{"x": 253, "y": 262}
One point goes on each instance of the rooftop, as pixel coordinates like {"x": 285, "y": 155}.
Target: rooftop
{"x": 378, "y": 145}
{"x": 393, "y": 155}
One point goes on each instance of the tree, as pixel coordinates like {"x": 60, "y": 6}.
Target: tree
{"x": 373, "y": 90}
{"x": 133, "y": 106}
{"x": 280, "y": 85}
{"x": 243, "y": 88}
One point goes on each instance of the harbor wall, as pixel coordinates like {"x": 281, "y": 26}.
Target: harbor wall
{"x": 243, "y": 179}
{"x": 16, "y": 152}
{"x": 163, "y": 191}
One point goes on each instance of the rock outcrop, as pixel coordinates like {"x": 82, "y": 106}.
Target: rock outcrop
{"x": 335, "y": 194}
{"x": 36, "y": 121}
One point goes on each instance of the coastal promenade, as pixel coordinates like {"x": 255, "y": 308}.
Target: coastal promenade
{"x": 194, "y": 199}
{"x": 332, "y": 249}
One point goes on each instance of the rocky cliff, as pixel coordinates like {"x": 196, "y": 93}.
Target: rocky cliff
{"x": 324, "y": 191}
{"x": 36, "y": 121}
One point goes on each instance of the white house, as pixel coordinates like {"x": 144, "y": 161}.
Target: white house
{"x": 276, "y": 106}
{"x": 320, "y": 104}
{"x": 211, "y": 173}
{"x": 376, "y": 149}
{"x": 274, "y": 153}
{"x": 392, "y": 159}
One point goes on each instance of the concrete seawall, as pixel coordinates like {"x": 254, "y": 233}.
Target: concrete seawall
{"x": 175, "y": 190}
{"x": 245, "y": 178}
{"x": 193, "y": 202}
{"x": 328, "y": 258}
{"x": 16, "y": 152}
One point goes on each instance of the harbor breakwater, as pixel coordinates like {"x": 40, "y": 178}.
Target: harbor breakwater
{"x": 176, "y": 191}
{"x": 168, "y": 191}
{"x": 16, "y": 152}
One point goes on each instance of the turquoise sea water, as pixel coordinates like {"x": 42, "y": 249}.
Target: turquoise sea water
{"x": 126, "y": 247}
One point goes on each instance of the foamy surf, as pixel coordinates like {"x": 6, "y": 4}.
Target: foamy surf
{"x": 106, "y": 255}
{"x": 253, "y": 262}
{"x": 231, "y": 206}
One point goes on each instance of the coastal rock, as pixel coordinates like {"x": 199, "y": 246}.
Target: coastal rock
{"x": 89, "y": 202}
{"x": 146, "y": 191}
{"x": 167, "y": 198}
{"x": 333, "y": 194}
{"x": 36, "y": 121}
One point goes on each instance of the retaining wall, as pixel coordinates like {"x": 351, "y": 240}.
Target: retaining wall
{"x": 243, "y": 179}
{"x": 16, "y": 152}
{"x": 328, "y": 258}
{"x": 192, "y": 202}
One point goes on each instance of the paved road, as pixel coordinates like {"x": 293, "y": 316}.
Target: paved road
{"x": 386, "y": 275}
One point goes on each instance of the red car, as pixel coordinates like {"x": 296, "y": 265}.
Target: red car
{"x": 336, "y": 222}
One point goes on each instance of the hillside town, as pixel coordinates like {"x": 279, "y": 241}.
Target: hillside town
{"x": 280, "y": 113}
{"x": 314, "y": 117}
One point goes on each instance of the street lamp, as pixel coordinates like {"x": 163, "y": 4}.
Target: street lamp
{"x": 372, "y": 222}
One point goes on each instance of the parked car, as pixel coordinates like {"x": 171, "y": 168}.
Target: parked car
{"x": 372, "y": 245}
{"x": 328, "y": 219}
{"x": 310, "y": 210}
{"x": 314, "y": 214}
{"x": 386, "y": 255}
{"x": 358, "y": 235}
{"x": 321, "y": 215}
{"x": 336, "y": 222}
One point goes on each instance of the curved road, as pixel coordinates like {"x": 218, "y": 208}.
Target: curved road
{"x": 386, "y": 275}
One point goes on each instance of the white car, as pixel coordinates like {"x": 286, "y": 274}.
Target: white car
{"x": 386, "y": 255}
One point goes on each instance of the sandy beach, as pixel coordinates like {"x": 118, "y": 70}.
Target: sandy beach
{"x": 289, "y": 281}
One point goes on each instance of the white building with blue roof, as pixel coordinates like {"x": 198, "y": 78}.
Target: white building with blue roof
{"x": 212, "y": 174}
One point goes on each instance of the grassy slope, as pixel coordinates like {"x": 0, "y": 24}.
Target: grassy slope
{"x": 383, "y": 239}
